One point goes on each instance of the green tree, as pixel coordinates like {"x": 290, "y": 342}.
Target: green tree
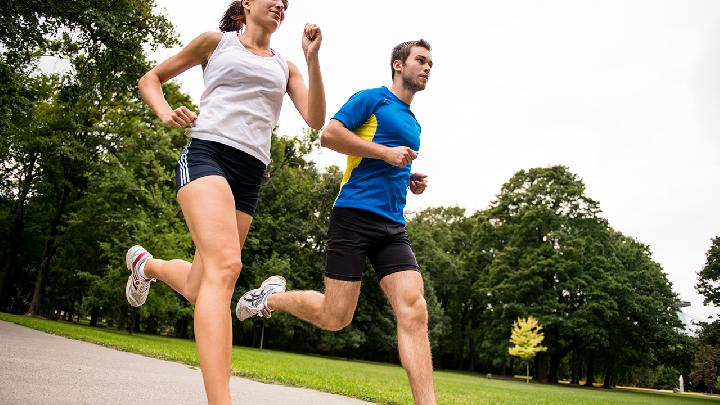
{"x": 709, "y": 286}
{"x": 550, "y": 254}
{"x": 642, "y": 332}
{"x": 526, "y": 336}
{"x": 24, "y": 104}
{"x": 130, "y": 200}
{"x": 103, "y": 42}
{"x": 709, "y": 277}
{"x": 441, "y": 241}
{"x": 546, "y": 234}
{"x": 704, "y": 367}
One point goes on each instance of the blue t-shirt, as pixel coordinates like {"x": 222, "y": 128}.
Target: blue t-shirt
{"x": 379, "y": 116}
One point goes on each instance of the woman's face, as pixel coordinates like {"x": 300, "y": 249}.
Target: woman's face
{"x": 268, "y": 13}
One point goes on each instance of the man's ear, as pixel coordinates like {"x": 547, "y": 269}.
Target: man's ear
{"x": 397, "y": 65}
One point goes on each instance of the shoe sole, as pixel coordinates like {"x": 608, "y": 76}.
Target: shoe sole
{"x": 128, "y": 296}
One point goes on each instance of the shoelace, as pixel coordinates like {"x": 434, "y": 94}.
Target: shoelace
{"x": 140, "y": 284}
{"x": 265, "y": 294}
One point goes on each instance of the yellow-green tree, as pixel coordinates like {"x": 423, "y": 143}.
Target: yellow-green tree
{"x": 527, "y": 336}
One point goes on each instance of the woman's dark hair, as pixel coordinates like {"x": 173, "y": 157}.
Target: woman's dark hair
{"x": 234, "y": 17}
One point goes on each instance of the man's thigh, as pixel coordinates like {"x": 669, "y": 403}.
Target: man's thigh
{"x": 341, "y": 297}
{"x": 403, "y": 289}
{"x": 394, "y": 254}
{"x": 351, "y": 234}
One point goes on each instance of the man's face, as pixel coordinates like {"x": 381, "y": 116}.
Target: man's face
{"x": 416, "y": 69}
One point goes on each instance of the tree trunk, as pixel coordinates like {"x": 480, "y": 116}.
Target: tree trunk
{"x": 94, "y": 315}
{"x": 15, "y": 237}
{"x": 590, "y": 378}
{"x": 527, "y": 372}
{"x": 36, "y": 304}
{"x": 555, "y": 356}
{"x": 47, "y": 255}
{"x": 262, "y": 335}
{"x": 554, "y": 366}
{"x": 181, "y": 326}
{"x": 608, "y": 382}
{"x": 471, "y": 353}
{"x": 151, "y": 326}
{"x": 133, "y": 323}
{"x": 48, "y": 252}
{"x": 254, "y": 335}
{"x": 542, "y": 371}
{"x": 459, "y": 355}
{"x": 576, "y": 366}
{"x": 122, "y": 316}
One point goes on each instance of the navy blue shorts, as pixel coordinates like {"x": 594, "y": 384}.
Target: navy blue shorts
{"x": 243, "y": 172}
{"x": 355, "y": 234}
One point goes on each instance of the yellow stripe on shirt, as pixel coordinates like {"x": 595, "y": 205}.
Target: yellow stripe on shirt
{"x": 367, "y": 132}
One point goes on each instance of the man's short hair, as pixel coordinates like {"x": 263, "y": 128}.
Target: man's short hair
{"x": 402, "y": 51}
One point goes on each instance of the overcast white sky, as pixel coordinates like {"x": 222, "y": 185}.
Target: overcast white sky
{"x": 625, "y": 93}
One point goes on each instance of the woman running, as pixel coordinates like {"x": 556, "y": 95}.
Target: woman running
{"x": 219, "y": 172}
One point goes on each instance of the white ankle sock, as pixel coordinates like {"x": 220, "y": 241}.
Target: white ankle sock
{"x": 141, "y": 270}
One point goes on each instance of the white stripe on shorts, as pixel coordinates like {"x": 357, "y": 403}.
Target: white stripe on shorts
{"x": 184, "y": 172}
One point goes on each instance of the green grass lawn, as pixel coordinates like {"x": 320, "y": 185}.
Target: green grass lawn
{"x": 375, "y": 382}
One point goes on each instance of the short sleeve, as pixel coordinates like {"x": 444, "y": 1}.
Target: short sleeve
{"x": 356, "y": 111}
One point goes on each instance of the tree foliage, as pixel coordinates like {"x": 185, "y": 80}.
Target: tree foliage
{"x": 704, "y": 371}
{"x": 87, "y": 171}
{"x": 63, "y": 125}
{"x": 526, "y": 336}
{"x": 709, "y": 277}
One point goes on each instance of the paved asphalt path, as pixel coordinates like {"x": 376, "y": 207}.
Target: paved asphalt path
{"x": 39, "y": 368}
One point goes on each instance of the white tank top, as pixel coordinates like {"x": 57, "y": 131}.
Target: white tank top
{"x": 243, "y": 94}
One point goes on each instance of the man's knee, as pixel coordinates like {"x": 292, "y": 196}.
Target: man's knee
{"x": 338, "y": 304}
{"x": 413, "y": 313}
{"x": 337, "y": 322}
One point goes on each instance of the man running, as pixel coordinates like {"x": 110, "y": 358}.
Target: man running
{"x": 381, "y": 137}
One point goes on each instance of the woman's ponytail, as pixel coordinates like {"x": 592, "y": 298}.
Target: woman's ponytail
{"x": 234, "y": 17}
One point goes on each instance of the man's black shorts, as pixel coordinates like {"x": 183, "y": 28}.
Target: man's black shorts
{"x": 355, "y": 234}
{"x": 243, "y": 172}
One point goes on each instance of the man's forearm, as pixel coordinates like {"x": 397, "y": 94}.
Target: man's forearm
{"x": 342, "y": 140}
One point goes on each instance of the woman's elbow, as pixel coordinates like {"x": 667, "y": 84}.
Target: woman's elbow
{"x": 144, "y": 81}
{"x": 316, "y": 125}
{"x": 316, "y": 120}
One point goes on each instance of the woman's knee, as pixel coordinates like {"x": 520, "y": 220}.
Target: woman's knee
{"x": 223, "y": 274}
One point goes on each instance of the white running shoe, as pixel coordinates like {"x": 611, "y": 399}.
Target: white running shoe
{"x": 254, "y": 302}
{"x": 137, "y": 287}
